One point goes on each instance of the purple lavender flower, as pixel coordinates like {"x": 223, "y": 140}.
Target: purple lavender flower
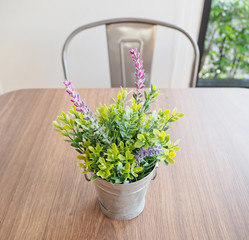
{"x": 139, "y": 82}
{"x": 142, "y": 153}
{"x": 78, "y": 102}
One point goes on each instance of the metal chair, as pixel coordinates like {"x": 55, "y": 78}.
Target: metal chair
{"x": 124, "y": 34}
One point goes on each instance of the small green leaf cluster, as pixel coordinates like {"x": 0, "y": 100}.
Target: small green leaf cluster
{"x": 110, "y": 150}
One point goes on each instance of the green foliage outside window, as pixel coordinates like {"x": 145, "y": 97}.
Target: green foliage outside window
{"x": 226, "y": 53}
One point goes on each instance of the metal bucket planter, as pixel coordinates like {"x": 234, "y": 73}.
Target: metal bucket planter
{"x": 123, "y": 201}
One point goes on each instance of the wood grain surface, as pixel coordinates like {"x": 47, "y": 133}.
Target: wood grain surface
{"x": 205, "y": 195}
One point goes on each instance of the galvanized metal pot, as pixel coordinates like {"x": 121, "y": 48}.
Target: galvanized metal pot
{"x": 123, "y": 201}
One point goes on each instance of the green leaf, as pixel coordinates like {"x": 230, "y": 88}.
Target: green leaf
{"x": 121, "y": 145}
{"x": 138, "y": 144}
{"x": 145, "y": 95}
{"x": 128, "y": 155}
{"x": 102, "y": 161}
{"x": 72, "y": 122}
{"x": 115, "y": 149}
{"x": 64, "y": 133}
{"x": 165, "y": 163}
{"x": 117, "y": 181}
{"x": 79, "y": 151}
{"x": 68, "y": 127}
{"x": 138, "y": 169}
{"x": 102, "y": 167}
{"x": 135, "y": 170}
{"x": 155, "y": 95}
{"x": 127, "y": 168}
{"x": 141, "y": 137}
{"x": 103, "y": 174}
{"x": 134, "y": 174}
{"x": 146, "y": 146}
{"x": 167, "y": 138}
{"x": 156, "y": 133}
{"x": 57, "y": 130}
{"x": 91, "y": 149}
{"x": 121, "y": 157}
{"x": 81, "y": 165}
{"x": 167, "y": 112}
{"x": 74, "y": 144}
{"x": 60, "y": 118}
{"x": 120, "y": 167}
{"x": 172, "y": 154}
{"x": 68, "y": 119}
{"x": 94, "y": 177}
{"x": 172, "y": 161}
{"x": 56, "y": 124}
{"x": 174, "y": 112}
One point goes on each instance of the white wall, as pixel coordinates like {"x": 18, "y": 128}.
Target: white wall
{"x": 33, "y": 32}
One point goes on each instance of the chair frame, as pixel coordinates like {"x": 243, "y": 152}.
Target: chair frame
{"x": 133, "y": 20}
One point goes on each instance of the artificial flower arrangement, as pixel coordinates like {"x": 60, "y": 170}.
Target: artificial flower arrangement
{"x": 120, "y": 143}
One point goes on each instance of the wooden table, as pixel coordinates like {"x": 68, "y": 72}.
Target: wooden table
{"x": 205, "y": 195}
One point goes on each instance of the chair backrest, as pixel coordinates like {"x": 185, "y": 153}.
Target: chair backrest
{"x": 124, "y": 34}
